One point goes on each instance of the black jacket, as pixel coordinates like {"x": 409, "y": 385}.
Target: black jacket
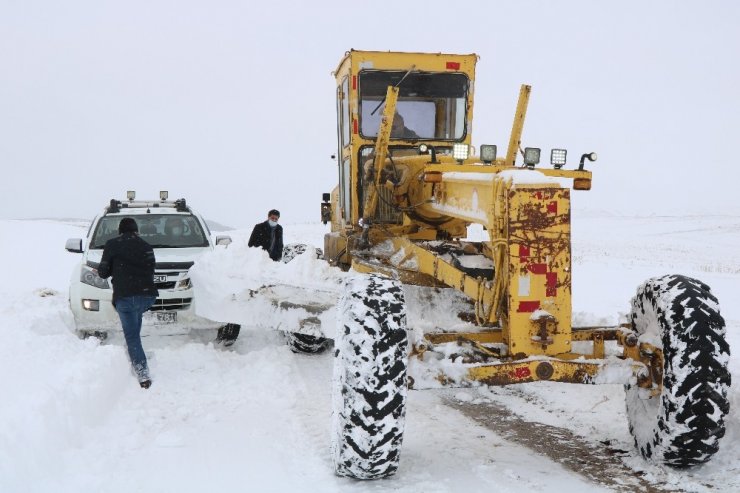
{"x": 261, "y": 237}
{"x": 130, "y": 260}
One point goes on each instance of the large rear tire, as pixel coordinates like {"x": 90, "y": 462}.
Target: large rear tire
{"x": 369, "y": 379}
{"x": 682, "y": 426}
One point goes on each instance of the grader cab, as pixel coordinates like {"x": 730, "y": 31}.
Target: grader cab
{"x": 408, "y": 189}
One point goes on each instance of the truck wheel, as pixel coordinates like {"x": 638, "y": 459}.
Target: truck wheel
{"x": 369, "y": 394}
{"x": 227, "y": 334}
{"x": 682, "y": 426}
{"x": 303, "y": 343}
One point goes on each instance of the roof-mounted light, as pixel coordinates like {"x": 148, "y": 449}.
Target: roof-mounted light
{"x": 131, "y": 195}
{"x": 531, "y": 156}
{"x": 460, "y": 152}
{"x": 558, "y": 157}
{"x": 163, "y": 195}
{"x": 487, "y": 153}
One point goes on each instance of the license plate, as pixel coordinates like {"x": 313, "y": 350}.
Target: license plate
{"x": 160, "y": 278}
{"x": 166, "y": 317}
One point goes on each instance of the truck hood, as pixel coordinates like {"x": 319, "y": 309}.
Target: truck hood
{"x": 162, "y": 255}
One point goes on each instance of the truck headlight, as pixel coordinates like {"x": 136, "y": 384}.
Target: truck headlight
{"x": 183, "y": 284}
{"x": 88, "y": 276}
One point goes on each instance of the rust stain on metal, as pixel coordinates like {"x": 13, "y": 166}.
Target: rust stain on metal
{"x": 544, "y": 233}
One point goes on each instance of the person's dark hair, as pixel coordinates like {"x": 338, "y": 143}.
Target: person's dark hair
{"x": 127, "y": 225}
{"x": 273, "y": 212}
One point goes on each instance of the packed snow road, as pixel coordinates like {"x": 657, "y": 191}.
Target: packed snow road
{"x": 256, "y": 417}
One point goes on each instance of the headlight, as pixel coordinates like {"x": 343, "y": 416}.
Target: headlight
{"x": 183, "y": 284}
{"x": 88, "y": 276}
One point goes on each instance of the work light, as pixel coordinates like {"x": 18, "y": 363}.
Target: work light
{"x": 591, "y": 156}
{"x": 163, "y": 195}
{"x": 131, "y": 194}
{"x": 557, "y": 157}
{"x": 531, "y": 156}
{"x": 460, "y": 151}
{"x": 487, "y": 153}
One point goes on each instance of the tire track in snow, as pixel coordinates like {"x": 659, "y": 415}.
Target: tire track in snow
{"x": 597, "y": 463}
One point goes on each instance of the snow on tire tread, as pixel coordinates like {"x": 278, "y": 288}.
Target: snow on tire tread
{"x": 369, "y": 378}
{"x": 681, "y": 427}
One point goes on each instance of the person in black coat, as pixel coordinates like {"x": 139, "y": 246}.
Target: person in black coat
{"x": 130, "y": 261}
{"x": 269, "y": 235}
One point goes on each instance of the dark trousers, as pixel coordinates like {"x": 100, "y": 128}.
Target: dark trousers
{"x": 130, "y": 311}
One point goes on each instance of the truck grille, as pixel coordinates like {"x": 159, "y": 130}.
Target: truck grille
{"x": 385, "y": 212}
{"x": 165, "y": 285}
{"x": 171, "y": 304}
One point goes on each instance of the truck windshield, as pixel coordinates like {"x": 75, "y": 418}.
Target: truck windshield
{"x": 431, "y": 105}
{"x": 159, "y": 230}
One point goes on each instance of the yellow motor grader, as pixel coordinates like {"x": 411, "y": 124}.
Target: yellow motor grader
{"x": 408, "y": 188}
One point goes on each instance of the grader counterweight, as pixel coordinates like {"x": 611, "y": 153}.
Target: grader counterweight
{"x": 408, "y": 189}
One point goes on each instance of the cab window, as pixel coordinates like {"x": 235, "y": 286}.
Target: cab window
{"x": 432, "y": 105}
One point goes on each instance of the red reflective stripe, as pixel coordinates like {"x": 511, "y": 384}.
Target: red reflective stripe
{"x": 552, "y": 207}
{"x": 551, "y": 283}
{"x": 453, "y": 65}
{"x": 523, "y": 252}
{"x": 354, "y": 126}
{"x": 520, "y": 373}
{"x": 528, "y": 306}
{"x": 354, "y": 82}
{"x": 537, "y": 268}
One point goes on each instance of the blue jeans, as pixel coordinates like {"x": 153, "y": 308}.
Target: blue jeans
{"x": 130, "y": 310}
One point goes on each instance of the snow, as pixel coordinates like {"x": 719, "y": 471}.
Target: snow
{"x": 257, "y": 417}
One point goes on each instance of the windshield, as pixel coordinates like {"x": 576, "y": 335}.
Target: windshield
{"x": 159, "y": 230}
{"x": 430, "y": 106}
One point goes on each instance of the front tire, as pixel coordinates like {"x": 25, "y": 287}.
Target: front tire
{"x": 369, "y": 379}
{"x": 682, "y": 426}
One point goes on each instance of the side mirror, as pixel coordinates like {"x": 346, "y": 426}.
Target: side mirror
{"x": 223, "y": 240}
{"x": 74, "y": 245}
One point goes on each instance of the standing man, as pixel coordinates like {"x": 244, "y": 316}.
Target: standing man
{"x": 130, "y": 261}
{"x": 269, "y": 235}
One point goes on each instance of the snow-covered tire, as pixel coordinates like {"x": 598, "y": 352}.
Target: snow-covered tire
{"x": 370, "y": 387}
{"x": 303, "y": 343}
{"x": 682, "y": 426}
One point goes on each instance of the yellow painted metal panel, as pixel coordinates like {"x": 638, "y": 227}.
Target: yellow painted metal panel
{"x": 539, "y": 295}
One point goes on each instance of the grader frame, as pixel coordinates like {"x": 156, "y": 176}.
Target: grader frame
{"x": 524, "y": 307}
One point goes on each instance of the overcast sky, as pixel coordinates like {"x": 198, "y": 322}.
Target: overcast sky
{"x": 231, "y": 103}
